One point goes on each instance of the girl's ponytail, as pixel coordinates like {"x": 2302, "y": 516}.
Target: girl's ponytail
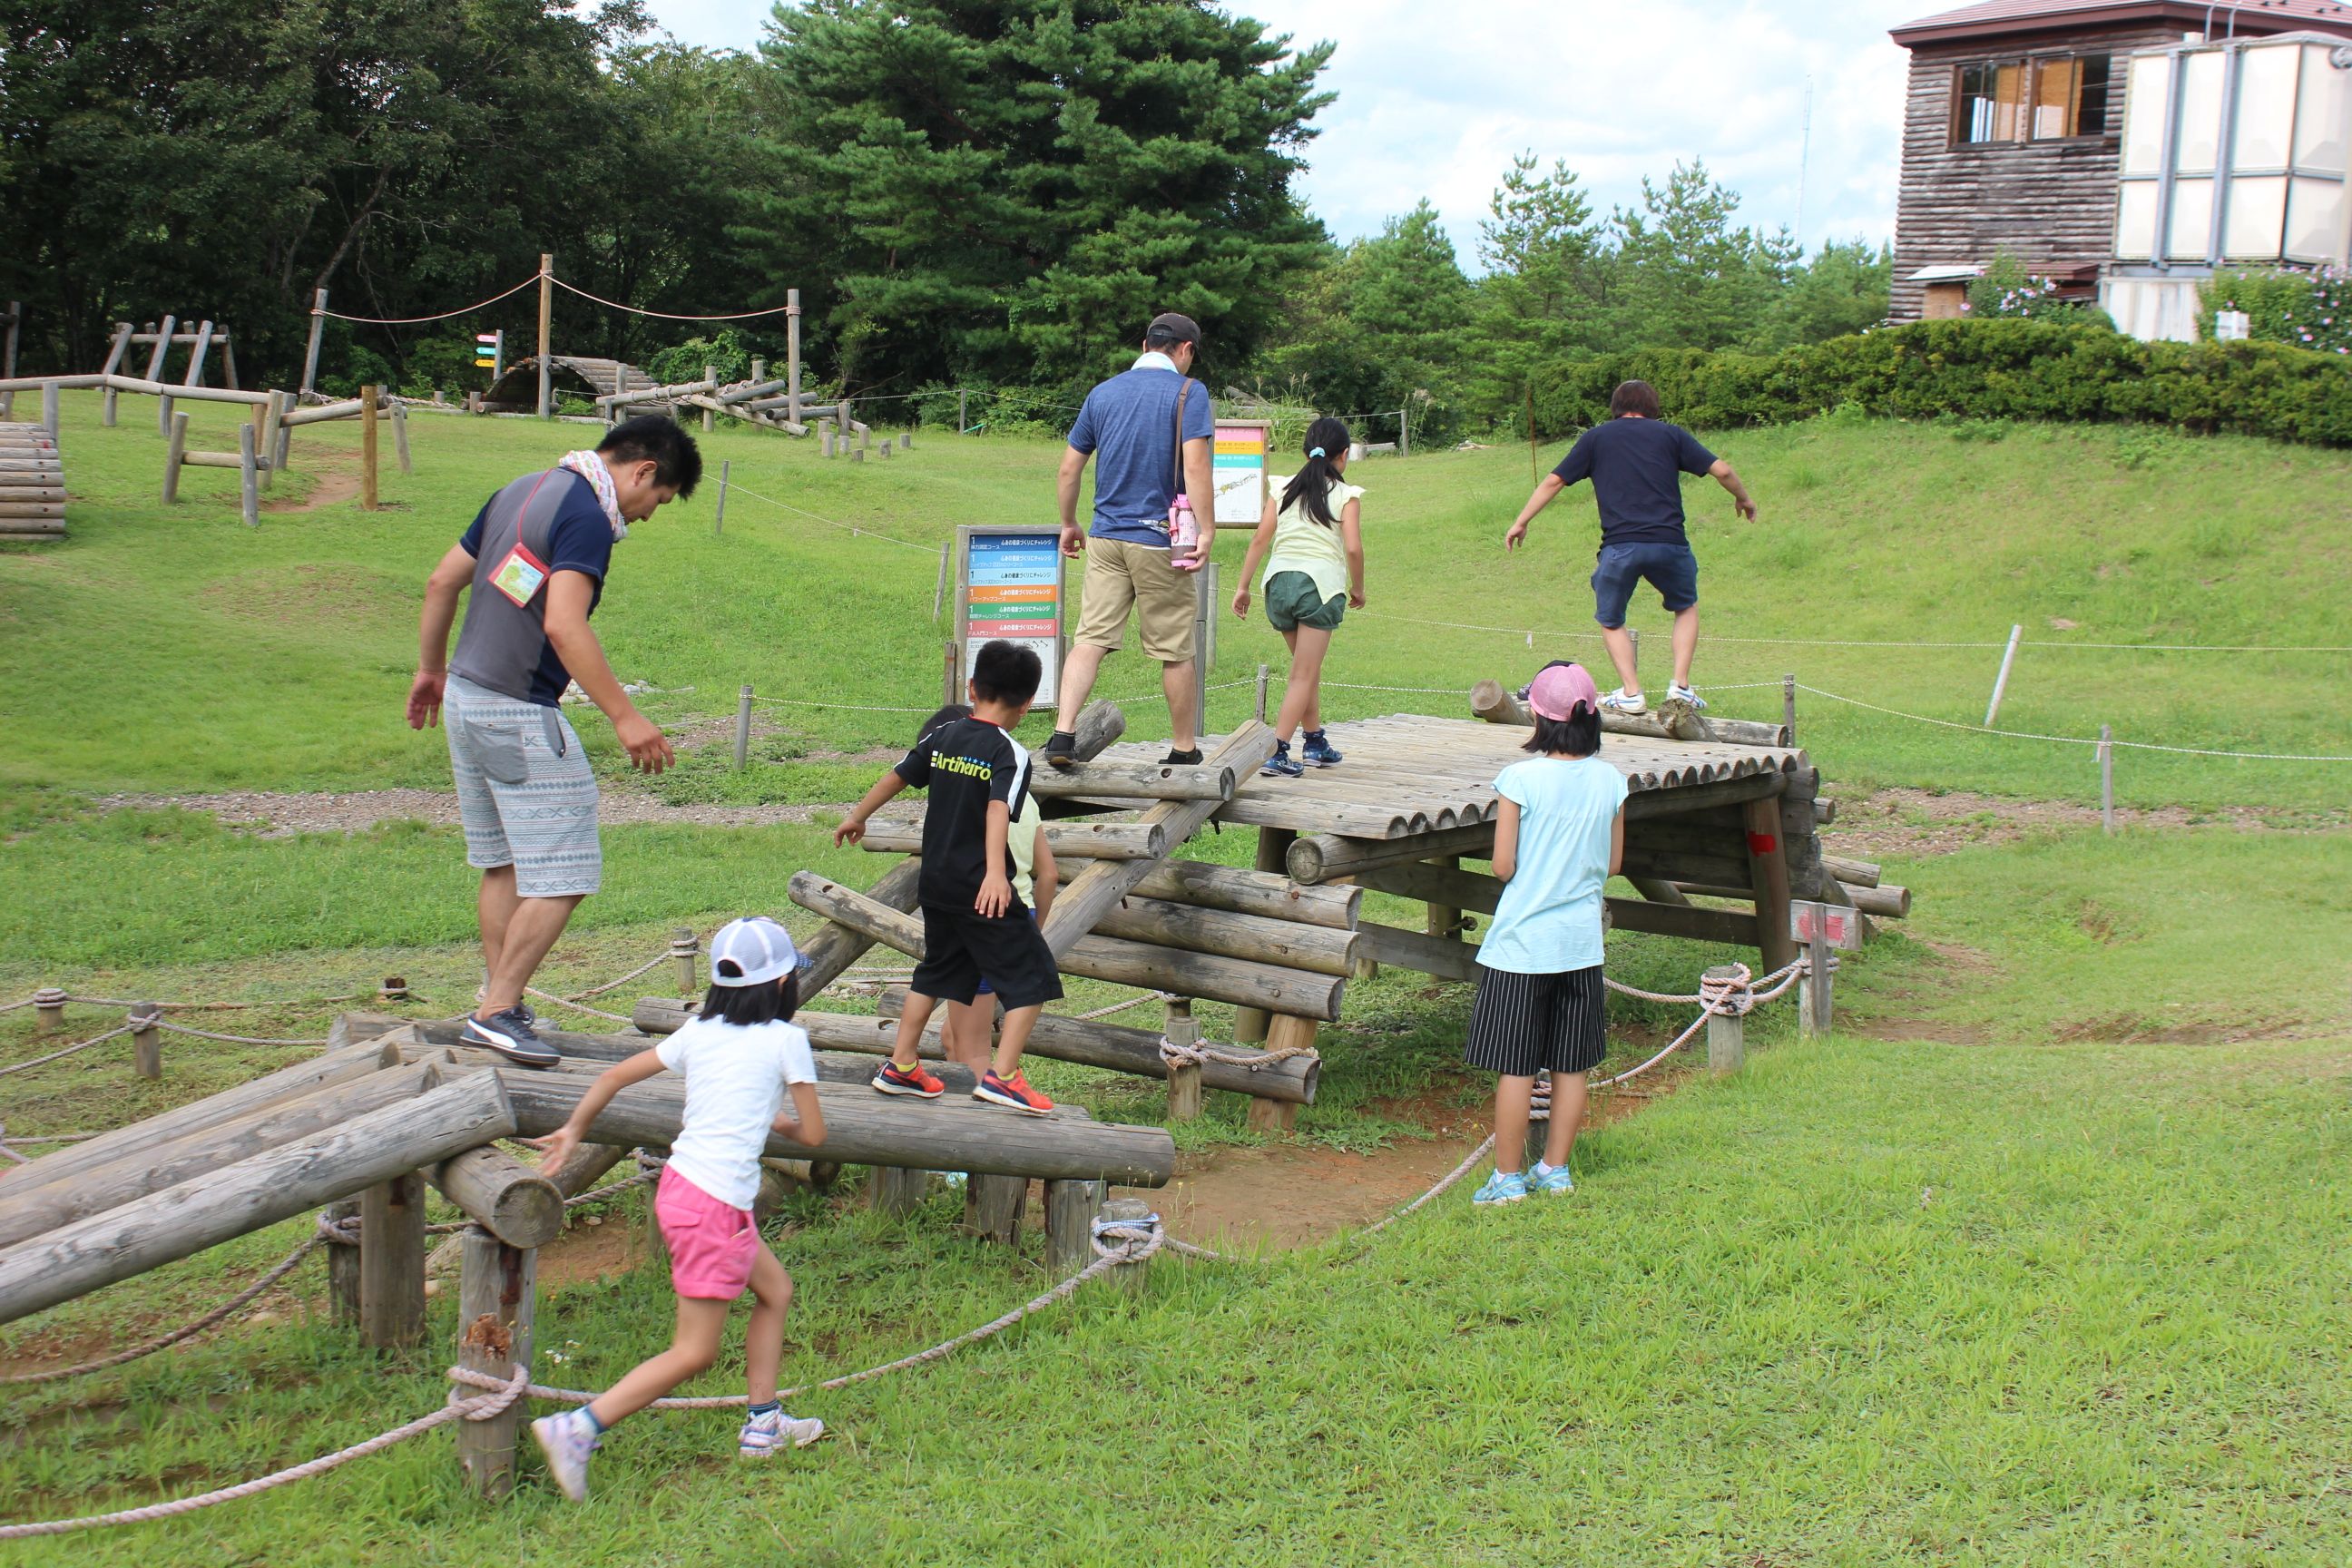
{"x": 1310, "y": 488}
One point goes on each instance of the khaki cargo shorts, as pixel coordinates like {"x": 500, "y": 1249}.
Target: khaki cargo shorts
{"x": 1121, "y": 575}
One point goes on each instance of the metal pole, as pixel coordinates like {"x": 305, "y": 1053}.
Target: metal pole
{"x": 940, "y": 594}
{"x": 742, "y": 727}
{"x": 546, "y": 307}
{"x": 2107, "y": 779}
{"x": 2000, "y": 682}
{"x": 1789, "y": 707}
{"x": 718, "y": 521}
{"x": 793, "y": 354}
{"x": 963, "y": 421}
{"x": 1404, "y": 430}
{"x": 310, "y": 356}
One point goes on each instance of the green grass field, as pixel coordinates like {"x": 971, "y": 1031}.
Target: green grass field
{"x": 2039, "y": 1259}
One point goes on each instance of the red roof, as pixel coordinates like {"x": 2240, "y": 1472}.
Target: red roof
{"x": 1999, "y": 18}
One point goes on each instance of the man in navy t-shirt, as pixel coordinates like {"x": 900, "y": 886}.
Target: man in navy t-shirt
{"x": 1129, "y": 426}
{"x": 1635, "y": 462}
{"x": 535, "y": 561}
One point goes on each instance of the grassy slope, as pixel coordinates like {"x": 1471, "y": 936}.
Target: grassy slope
{"x": 173, "y": 650}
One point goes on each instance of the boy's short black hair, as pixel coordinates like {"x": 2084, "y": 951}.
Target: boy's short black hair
{"x": 1007, "y": 672}
{"x": 947, "y": 715}
{"x": 1577, "y": 735}
{"x": 1633, "y": 397}
{"x": 677, "y": 461}
{"x": 751, "y": 1004}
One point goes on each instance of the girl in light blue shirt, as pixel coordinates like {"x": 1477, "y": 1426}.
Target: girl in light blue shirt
{"x": 1559, "y": 836}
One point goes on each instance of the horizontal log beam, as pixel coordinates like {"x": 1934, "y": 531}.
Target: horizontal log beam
{"x": 1425, "y": 954}
{"x": 1729, "y": 927}
{"x": 1650, "y": 803}
{"x": 497, "y": 1191}
{"x": 1317, "y": 857}
{"x": 1314, "y": 949}
{"x": 1271, "y": 894}
{"x": 1852, "y": 873}
{"x": 1123, "y": 781}
{"x": 1497, "y": 704}
{"x": 865, "y": 1129}
{"x": 1078, "y": 840}
{"x": 232, "y": 1200}
{"x": 1448, "y": 886}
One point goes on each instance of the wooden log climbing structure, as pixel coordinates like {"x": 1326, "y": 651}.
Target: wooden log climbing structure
{"x": 32, "y": 483}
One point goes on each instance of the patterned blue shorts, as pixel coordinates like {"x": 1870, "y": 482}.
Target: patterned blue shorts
{"x": 525, "y": 791}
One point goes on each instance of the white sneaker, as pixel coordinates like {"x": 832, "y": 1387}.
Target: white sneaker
{"x": 763, "y": 1435}
{"x": 1683, "y": 694}
{"x": 567, "y": 1439}
{"x": 1622, "y": 701}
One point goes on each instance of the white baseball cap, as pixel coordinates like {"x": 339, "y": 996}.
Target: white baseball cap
{"x": 760, "y": 951}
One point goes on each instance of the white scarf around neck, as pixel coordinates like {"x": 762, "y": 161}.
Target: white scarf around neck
{"x": 591, "y": 466}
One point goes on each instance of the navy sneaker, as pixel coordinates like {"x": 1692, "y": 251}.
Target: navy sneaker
{"x": 1317, "y": 752}
{"x": 511, "y": 1035}
{"x": 1282, "y": 764}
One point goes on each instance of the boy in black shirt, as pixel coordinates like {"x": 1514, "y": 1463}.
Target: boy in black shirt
{"x": 974, "y": 924}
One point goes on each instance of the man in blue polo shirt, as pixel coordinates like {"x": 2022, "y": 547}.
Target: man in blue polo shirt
{"x": 1129, "y": 426}
{"x": 1635, "y": 462}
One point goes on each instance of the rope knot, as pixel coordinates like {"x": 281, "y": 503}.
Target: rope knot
{"x": 1126, "y": 1240}
{"x": 685, "y": 944}
{"x": 1728, "y": 996}
{"x": 51, "y": 996}
{"x": 152, "y": 1018}
{"x": 1181, "y": 1055}
{"x": 344, "y": 1232}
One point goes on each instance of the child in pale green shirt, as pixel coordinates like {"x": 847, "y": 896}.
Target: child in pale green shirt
{"x": 1311, "y": 541}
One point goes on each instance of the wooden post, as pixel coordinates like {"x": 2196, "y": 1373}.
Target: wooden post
{"x": 367, "y": 447}
{"x": 1767, "y": 874}
{"x": 162, "y": 347}
{"x": 228, "y": 361}
{"x": 1789, "y": 707}
{"x": 2000, "y": 682}
{"x": 48, "y": 1010}
{"x": 147, "y": 1041}
{"x": 1070, "y": 1210}
{"x": 948, "y": 692}
{"x": 1184, "y": 1079}
{"x": 1211, "y": 600}
{"x": 683, "y": 945}
{"x": 1250, "y": 1024}
{"x": 1813, "y": 1010}
{"x": 992, "y": 1207}
{"x": 1130, "y": 1278}
{"x": 898, "y": 1192}
{"x": 546, "y": 307}
{"x": 50, "y": 408}
{"x": 940, "y": 593}
{"x": 496, "y": 1297}
{"x": 392, "y": 1262}
{"x": 1635, "y": 638}
{"x": 1444, "y": 919}
{"x": 743, "y": 727}
{"x": 8, "y": 359}
{"x": 248, "y": 476}
{"x": 344, "y": 1269}
{"x": 792, "y": 355}
{"x": 1261, "y": 693}
{"x": 1201, "y": 616}
{"x": 719, "y": 517}
{"x": 1404, "y": 429}
{"x": 2108, "y": 780}
{"x": 400, "y": 435}
{"x": 1278, "y": 1116}
{"x": 311, "y": 354}
{"x": 963, "y": 422}
{"x": 173, "y": 455}
{"x": 1726, "y": 1033}
{"x": 195, "y": 377}
{"x": 710, "y": 420}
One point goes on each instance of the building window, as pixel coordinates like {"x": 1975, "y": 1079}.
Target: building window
{"x": 2040, "y": 100}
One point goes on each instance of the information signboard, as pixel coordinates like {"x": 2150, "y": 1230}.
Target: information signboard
{"x": 1240, "y": 457}
{"x": 1837, "y": 927}
{"x": 1010, "y": 588}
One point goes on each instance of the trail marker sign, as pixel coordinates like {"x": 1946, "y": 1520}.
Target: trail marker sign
{"x": 1009, "y": 586}
{"x": 1239, "y": 459}
{"x": 1838, "y": 927}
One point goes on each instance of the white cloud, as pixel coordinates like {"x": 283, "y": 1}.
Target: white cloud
{"x": 1435, "y": 99}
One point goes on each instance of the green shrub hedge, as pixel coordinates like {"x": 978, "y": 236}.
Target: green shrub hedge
{"x": 1978, "y": 369}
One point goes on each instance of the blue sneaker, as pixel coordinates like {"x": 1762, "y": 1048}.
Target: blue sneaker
{"x": 1282, "y": 764}
{"x": 1317, "y": 752}
{"x": 1502, "y": 1187}
{"x": 1553, "y": 1181}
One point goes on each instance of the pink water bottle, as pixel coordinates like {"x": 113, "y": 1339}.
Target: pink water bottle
{"x": 1184, "y": 535}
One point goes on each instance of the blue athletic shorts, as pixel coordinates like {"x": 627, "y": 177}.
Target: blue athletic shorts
{"x": 1671, "y": 569}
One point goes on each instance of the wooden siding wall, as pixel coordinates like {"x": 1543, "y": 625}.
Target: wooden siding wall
{"x": 2050, "y": 204}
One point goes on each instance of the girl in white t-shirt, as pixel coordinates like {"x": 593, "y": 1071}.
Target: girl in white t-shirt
{"x": 739, "y": 1060}
{"x": 1311, "y": 540}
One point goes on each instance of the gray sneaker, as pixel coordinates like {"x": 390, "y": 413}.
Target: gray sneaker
{"x": 511, "y": 1035}
{"x": 567, "y": 1439}
{"x": 762, "y": 1435}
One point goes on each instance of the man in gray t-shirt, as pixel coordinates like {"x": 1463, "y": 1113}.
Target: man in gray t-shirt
{"x": 536, "y": 560}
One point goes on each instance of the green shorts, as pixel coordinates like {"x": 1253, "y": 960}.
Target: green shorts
{"x": 1291, "y": 600}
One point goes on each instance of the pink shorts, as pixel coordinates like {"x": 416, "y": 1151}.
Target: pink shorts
{"x": 711, "y": 1245}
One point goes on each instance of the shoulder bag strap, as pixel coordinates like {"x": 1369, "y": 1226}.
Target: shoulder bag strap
{"x": 1177, "y": 488}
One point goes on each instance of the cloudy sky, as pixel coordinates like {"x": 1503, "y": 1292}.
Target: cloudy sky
{"x": 1437, "y": 96}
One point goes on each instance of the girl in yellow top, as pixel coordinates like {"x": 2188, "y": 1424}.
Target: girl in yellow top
{"x": 1314, "y": 575}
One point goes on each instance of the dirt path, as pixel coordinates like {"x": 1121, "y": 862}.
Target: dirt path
{"x": 1915, "y": 822}
{"x": 275, "y": 814}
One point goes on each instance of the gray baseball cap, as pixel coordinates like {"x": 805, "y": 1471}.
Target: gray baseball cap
{"x": 1173, "y": 328}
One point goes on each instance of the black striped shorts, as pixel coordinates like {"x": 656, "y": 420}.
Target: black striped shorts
{"x": 1525, "y": 1024}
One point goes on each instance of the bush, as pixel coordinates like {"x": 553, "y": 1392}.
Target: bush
{"x": 2303, "y": 309}
{"x": 1992, "y": 370}
{"x": 729, "y": 349}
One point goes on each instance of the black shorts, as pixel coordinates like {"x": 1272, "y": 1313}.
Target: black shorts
{"x": 960, "y": 946}
{"x": 1525, "y": 1024}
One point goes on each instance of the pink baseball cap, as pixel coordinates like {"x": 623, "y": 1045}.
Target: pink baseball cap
{"x": 1560, "y": 690}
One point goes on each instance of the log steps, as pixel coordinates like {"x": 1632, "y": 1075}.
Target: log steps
{"x": 32, "y": 483}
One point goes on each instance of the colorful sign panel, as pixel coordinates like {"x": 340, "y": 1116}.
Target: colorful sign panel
{"x": 1239, "y": 456}
{"x": 1837, "y": 927}
{"x": 1012, "y": 589}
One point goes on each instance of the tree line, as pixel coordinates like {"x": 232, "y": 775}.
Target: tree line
{"x": 966, "y": 192}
